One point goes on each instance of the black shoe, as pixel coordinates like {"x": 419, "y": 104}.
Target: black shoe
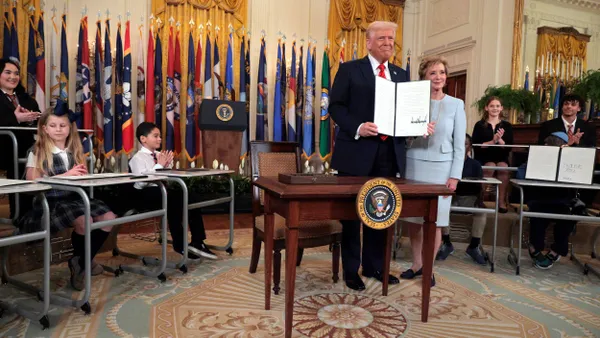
{"x": 377, "y": 275}
{"x": 432, "y": 280}
{"x": 200, "y": 249}
{"x": 354, "y": 282}
{"x": 502, "y": 210}
{"x": 410, "y": 274}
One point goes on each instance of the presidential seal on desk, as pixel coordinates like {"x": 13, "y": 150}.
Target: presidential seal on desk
{"x": 224, "y": 112}
{"x": 379, "y": 203}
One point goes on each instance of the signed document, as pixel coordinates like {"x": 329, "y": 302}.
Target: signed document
{"x": 402, "y": 108}
{"x": 576, "y": 165}
{"x": 542, "y": 163}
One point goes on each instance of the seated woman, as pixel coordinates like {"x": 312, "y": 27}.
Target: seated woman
{"x": 491, "y": 130}
{"x": 17, "y": 109}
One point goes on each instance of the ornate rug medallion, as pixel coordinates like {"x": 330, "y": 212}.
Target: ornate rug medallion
{"x": 347, "y": 315}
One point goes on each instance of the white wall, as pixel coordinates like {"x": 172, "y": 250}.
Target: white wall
{"x": 307, "y": 19}
{"x": 139, "y": 10}
{"x": 474, "y": 35}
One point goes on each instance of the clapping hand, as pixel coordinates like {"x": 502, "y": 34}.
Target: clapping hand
{"x": 77, "y": 170}
{"x": 165, "y": 158}
{"x": 25, "y": 115}
{"x": 575, "y": 138}
{"x": 498, "y": 136}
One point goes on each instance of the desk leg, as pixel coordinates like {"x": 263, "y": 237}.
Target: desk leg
{"x": 269, "y": 228}
{"x": 291, "y": 254}
{"x": 429, "y": 229}
{"x": 389, "y": 235}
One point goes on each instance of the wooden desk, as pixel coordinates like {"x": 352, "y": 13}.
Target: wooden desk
{"x": 321, "y": 202}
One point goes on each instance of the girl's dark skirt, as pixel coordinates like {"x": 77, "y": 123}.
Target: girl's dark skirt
{"x": 63, "y": 212}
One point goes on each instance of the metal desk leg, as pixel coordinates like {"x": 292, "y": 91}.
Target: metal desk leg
{"x": 41, "y": 316}
{"x": 493, "y": 261}
{"x": 228, "y": 247}
{"x": 594, "y": 241}
{"x": 514, "y": 257}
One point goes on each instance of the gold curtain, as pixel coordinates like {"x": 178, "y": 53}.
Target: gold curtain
{"x": 566, "y": 42}
{"x": 220, "y": 13}
{"x": 348, "y": 21}
{"x": 22, "y": 25}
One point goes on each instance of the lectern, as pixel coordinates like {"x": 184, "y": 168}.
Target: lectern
{"x": 222, "y": 123}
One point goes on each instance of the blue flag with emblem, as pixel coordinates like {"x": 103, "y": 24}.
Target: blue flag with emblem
{"x": 62, "y": 105}
{"x": 158, "y": 80}
{"x": 14, "y": 52}
{"x": 229, "y": 91}
{"x": 262, "y": 126}
{"x": 278, "y": 120}
{"x": 308, "y": 118}
{"x": 107, "y": 94}
{"x": 119, "y": 92}
{"x": 190, "y": 123}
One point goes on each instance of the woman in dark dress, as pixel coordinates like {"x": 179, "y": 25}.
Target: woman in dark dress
{"x": 492, "y": 130}
{"x": 17, "y": 109}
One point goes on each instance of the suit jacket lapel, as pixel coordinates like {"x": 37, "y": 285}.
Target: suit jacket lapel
{"x": 365, "y": 67}
{"x": 394, "y": 74}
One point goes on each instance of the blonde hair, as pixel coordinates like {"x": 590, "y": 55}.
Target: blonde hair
{"x": 430, "y": 61}
{"x": 381, "y": 25}
{"x": 42, "y": 149}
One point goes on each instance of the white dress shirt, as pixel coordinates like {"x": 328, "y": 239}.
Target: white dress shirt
{"x": 375, "y": 64}
{"x": 143, "y": 163}
{"x": 61, "y": 152}
{"x": 567, "y": 125}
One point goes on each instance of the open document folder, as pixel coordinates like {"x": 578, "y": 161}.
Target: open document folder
{"x": 402, "y": 108}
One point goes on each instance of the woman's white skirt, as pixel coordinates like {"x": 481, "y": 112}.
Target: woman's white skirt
{"x": 436, "y": 172}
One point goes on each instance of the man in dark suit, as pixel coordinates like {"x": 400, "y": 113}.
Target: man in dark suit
{"x": 581, "y": 133}
{"x": 359, "y": 149}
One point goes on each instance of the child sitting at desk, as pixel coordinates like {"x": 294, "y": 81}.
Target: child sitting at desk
{"x": 549, "y": 200}
{"x": 467, "y": 195}
{"x": 148, "y": 160}
{"x": 58, "y": 152}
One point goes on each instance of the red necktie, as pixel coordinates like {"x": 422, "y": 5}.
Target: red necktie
{"x": 13, "y": 99}
{"x": 381, "y": 68}
{"x": 154, "y": 157}
{"x": 570, "y": 131}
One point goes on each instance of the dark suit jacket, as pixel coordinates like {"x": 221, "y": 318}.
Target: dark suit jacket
{"x": 8, "y": 119}
{"x": 589, "y": 131}
{"x": 352, "y": 102}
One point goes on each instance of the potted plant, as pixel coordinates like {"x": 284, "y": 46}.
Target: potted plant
{"x": 589, "y": 87}
{"x": 520, "y": 100}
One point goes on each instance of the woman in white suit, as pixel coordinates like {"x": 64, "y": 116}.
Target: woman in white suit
{"x": 438, "y": 158}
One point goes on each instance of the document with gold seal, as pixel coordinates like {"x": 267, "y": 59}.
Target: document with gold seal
{"x": 379, "y": 203}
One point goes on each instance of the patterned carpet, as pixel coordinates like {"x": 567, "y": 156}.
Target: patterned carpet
{"x": 221, "y": 299}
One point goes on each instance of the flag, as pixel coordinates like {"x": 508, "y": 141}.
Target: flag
{"x": 14, "y": 52}
{"x": 283, "y": 84}
{"x": 107, "y": 94}
{"x": 190, "y": 122}
{"x": 177, "y": 95}
{"x": 99, "y": 104}
{"x": 118, "y": 115}
{"x": 6, "y": 48}
{"x": 141, "y": 79}
{"x": 314, "y": 73}
{"x": 170, "y": 92}
{"x": 557, "y": 97}
{"x": 278, "y": 117}
{"x": 408, "y": 66}
{"x": 198, "y": 99}
{"x": 300, "y": 97}
{"x": 208, "y": 86}
{"x": 83, "y": 96}
{"x": 291, "y": 99}
{"x": 336, "y": 127}
{"x": 355, "y": 53}
{"x": 307, "y": 137}
{"x": 243, "y": 89}
{"x": 40, "y": 65}
{"x": 127, "y": 127}
{"x": 262, "y": 124}
{"x": 62, "y": 106}
{"x": 217, "y": 71}
{"x": 324, "y": 136}
{"x": 526, "y": 84}
{"x": 149, "y": 109}
{"x": 158, "y": 78}
{"x": 229, "y": 91}
{"x": 31, "y": 59}
{"x": 54, "y": 65}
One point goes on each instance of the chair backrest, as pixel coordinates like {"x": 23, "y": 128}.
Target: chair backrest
{"x": 271, "y": 159}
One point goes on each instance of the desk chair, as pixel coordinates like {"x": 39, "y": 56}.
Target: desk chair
{"x": 271, "y": 159}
